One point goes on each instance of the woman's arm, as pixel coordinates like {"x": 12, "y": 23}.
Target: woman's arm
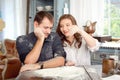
{"x": 91, "y": 42}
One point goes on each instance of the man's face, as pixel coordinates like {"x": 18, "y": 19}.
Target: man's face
{"x": 46, "y": 26}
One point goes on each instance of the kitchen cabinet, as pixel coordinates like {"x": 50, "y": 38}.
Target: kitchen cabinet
{"x": 56, "y": 10}
{"x": 104, "y": 52}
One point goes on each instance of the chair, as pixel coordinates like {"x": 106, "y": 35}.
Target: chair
{"x": 9, "y": 61}
{"x": 10, "y": 47}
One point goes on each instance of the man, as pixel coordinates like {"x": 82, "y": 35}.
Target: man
{"x": 41, "y": 48}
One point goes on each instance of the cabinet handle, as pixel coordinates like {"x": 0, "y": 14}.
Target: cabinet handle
{"x": 102, "y": 55}
{"x": 30, "y": 17}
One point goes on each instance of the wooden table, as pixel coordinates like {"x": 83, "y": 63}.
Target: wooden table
{"x": 31, "y": 75}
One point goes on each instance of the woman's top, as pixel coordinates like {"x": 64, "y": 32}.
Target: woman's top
{"x": 80, "y": 56}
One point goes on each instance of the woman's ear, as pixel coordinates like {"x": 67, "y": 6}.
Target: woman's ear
{"x": 35, "y": 23}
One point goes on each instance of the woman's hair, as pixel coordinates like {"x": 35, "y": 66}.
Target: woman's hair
{"x": 40, "y": 15}
{"x": 76, "y": 35}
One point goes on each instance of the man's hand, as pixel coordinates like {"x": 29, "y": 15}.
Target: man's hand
{"x": 27, "y": 67}
{"x": 39, "y": 33}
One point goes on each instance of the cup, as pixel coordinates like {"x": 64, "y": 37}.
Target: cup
{"x": 40, "y": 8}
{"x": 48, "y": 7}
{"x": 116, "y": 58}
{"x": 108, "y": 65}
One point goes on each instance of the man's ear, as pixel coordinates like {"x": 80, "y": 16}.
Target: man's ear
{"x": 35, "y": 23}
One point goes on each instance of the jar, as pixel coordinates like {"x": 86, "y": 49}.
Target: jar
{"x": 107, "y": 65}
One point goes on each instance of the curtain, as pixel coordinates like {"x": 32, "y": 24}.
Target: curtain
{"x": 92, "y": 10}
{"x": 13, "y": 12}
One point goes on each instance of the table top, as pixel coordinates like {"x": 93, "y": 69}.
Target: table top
{"x": 90, "y": 73}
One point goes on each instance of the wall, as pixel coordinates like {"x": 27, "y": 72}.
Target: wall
{"x": 13, "y": 12}
{"x": 84, "y": 10}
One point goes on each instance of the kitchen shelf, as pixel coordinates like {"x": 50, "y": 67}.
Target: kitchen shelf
{"x": 56, "y": 11}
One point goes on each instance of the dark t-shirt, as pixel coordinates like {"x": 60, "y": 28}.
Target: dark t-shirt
{"x": 52, "y": 46}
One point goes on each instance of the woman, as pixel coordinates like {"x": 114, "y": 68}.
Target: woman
{"x": 77, "y": 43}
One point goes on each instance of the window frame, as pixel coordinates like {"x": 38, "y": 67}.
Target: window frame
{"x": 107, "y": 17}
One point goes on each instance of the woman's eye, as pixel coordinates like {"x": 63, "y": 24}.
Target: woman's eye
{"x": 68, "y": 25}
{"x": 61, "y": 26}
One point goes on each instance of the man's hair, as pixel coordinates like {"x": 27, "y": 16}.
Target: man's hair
{"x": 40, "y": 15}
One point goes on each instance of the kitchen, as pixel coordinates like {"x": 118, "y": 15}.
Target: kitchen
{"x": 88, "y": 10}
{"x": 93, "y": 11}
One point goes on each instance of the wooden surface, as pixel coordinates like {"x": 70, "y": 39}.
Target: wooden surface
{"x": 31, "y": 75}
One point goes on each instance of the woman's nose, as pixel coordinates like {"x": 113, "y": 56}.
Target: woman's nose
{"x": 64, "y": 28}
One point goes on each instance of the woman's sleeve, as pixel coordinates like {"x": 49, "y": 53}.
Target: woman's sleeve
{"x": 96, "y": 47}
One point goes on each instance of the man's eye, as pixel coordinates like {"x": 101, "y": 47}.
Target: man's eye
{"x": 45, "y": 27}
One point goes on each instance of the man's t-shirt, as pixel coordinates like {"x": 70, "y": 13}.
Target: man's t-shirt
{"x": 52, "y": 46}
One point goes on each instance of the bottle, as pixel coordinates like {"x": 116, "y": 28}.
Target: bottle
{"x": 66, "y": 9}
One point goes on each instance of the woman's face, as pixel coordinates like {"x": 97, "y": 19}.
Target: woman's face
{"x": 65, "y": 26}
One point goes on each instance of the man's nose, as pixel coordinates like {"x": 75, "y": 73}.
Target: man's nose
{"x": 49, "y": 31}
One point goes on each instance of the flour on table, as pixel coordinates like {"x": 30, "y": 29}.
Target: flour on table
{"x": 63, "y": 72}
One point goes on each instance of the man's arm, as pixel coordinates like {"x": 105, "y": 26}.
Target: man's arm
{"x": 58, "y": 60}
{"x": 59, "y": 54}
{"x": 55, "y": 62}
{"x": 34, "y": 54}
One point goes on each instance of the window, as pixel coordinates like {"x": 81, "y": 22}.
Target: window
{"x": 112, "y": 18}
{"x": 13, "y": 12}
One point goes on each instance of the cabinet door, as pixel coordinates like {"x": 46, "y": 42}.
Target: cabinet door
{"x": 33, "y": 9}
{"x": 59, "y": 10}
{"x": 32, "y": 12}
{"x": 56, "y": 10}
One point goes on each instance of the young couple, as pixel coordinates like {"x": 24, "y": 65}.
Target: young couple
{"x": 69, "y": 46}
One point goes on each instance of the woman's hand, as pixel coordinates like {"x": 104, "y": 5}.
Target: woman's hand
{"x": 70, "y": 63}
{"x": 74, "y": 29}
